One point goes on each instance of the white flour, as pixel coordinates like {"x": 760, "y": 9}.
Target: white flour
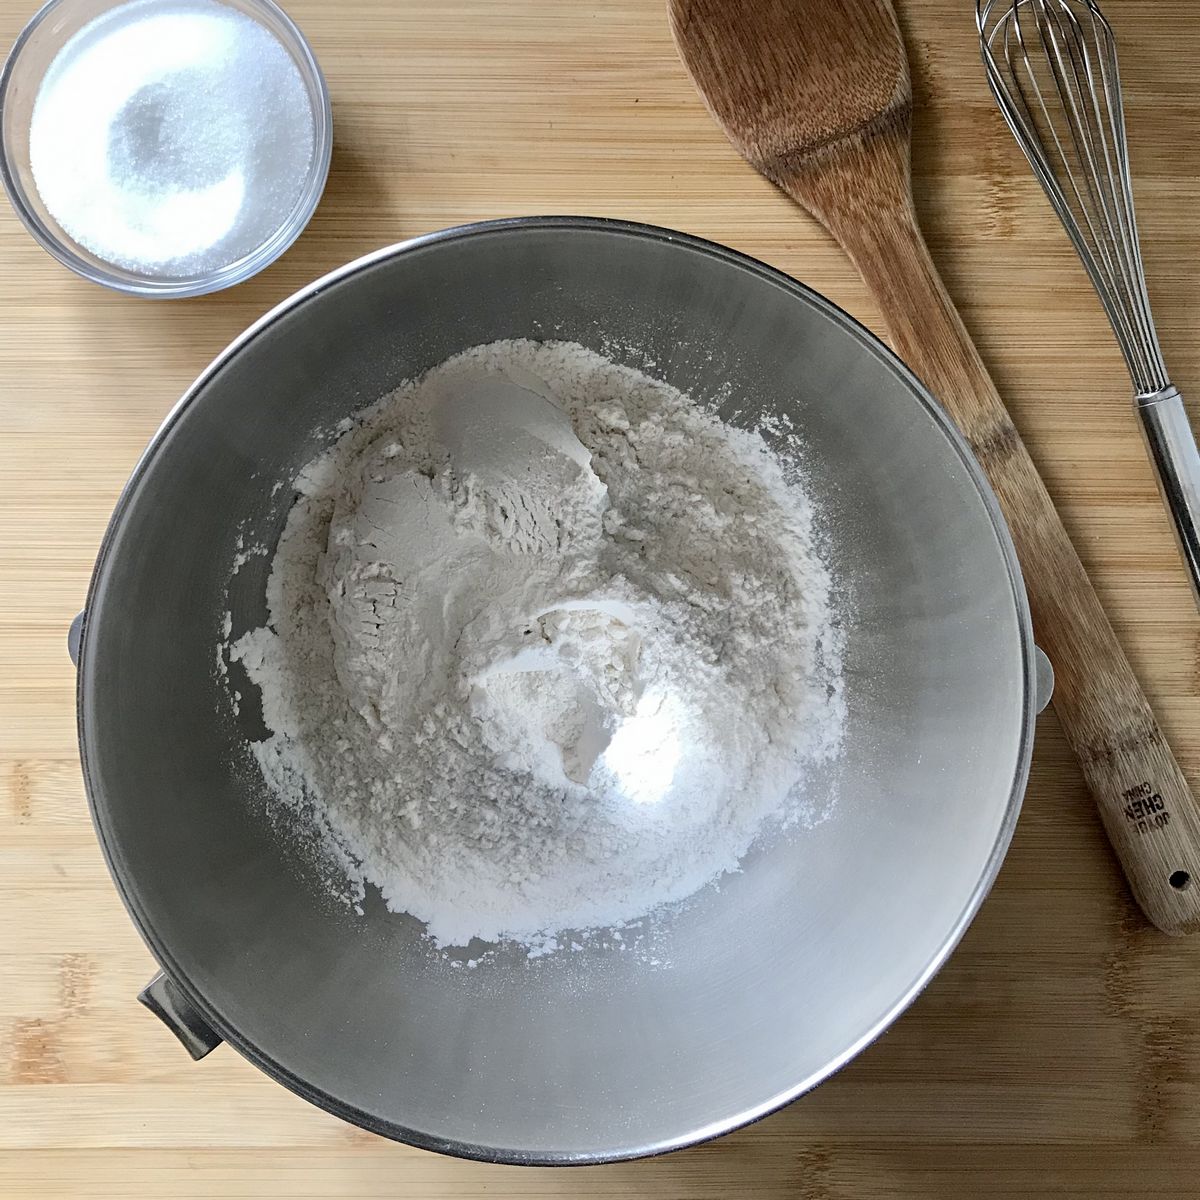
{"x": 548, "y": 645}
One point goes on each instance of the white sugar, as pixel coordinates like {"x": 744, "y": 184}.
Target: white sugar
{"x": 172, "y": 138}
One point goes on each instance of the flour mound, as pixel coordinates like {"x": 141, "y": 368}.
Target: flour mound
{"x": 548, "y": 646}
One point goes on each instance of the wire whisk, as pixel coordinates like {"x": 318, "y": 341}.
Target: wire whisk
{"x": 1052, "y": 66}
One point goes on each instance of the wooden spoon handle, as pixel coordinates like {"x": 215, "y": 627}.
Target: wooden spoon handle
{"x": 1144, "y": 799}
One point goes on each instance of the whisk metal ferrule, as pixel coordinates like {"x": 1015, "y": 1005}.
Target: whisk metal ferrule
{"x": 1172, "y": 449}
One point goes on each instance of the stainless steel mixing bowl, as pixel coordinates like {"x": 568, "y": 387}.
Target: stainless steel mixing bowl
{"x": 772, "y": 982}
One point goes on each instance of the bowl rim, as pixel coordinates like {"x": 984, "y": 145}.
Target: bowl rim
{"x": 248, "y": 266}
{"x": 871, "y": 345}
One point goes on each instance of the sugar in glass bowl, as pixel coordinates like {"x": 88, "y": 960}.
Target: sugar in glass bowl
{"x": 164, "y": 148}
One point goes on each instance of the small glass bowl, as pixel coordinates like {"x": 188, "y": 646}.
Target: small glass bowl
{"x": 40, "y": 41}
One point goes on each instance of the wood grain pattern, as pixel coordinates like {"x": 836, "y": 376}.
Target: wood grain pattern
{"x": 837, "y": 140}
{"x": 1058, "y": 1052}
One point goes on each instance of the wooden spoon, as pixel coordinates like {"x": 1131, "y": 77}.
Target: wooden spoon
{"x": 816, "y": 95}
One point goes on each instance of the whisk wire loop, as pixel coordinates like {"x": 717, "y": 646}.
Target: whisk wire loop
{"x": 1052, "y": 66}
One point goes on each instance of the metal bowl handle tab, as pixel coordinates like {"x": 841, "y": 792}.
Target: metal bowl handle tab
{"x": 75, "y": 637}
{"x": 1045, "y": 679}
{"x": 164, "y": 999}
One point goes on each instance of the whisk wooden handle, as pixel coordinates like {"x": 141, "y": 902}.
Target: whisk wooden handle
{"x": 1144, "y": 800}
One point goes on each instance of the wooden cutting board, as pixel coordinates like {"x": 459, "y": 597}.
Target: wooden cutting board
{"x": 1059, "y": 1050}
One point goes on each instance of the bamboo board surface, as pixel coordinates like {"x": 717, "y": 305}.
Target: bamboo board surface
{"x": 1059, "y": 1050}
